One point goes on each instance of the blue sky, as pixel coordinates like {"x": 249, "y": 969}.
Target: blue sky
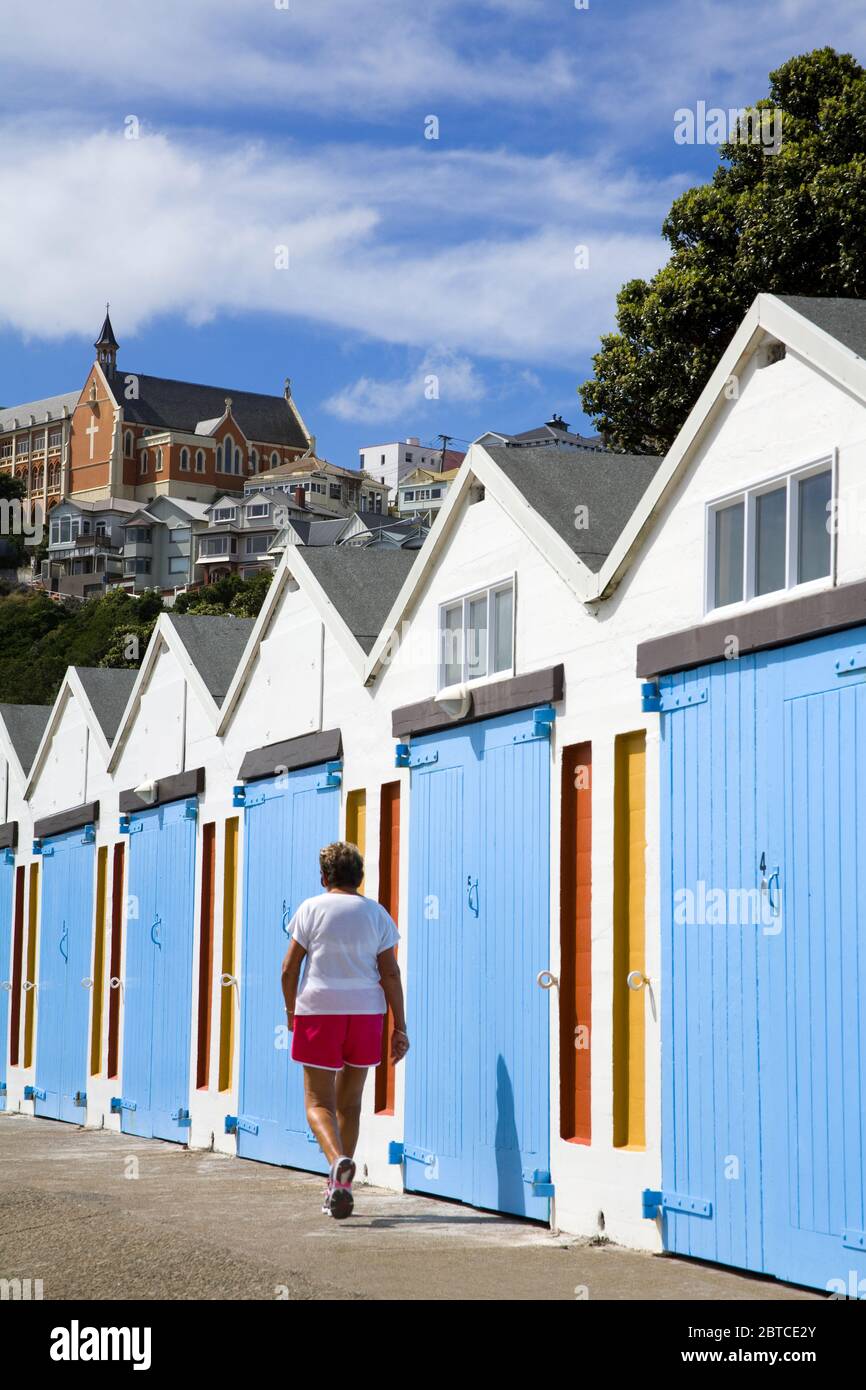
{"x": 268, "y": 131}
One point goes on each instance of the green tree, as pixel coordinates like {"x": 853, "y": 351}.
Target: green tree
{"x": 791, "y": 222}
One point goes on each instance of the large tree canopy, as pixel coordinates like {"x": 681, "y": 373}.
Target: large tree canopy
{"x": 791, "y": 222}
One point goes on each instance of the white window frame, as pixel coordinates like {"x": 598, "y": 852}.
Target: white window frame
{"x": 747, "y": 495}
{"x": 505, "y": 582}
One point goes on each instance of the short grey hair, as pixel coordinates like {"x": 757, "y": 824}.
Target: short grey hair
{"x": 341, "y": 865}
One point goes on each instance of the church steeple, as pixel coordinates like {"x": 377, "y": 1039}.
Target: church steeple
{"x": 107, "y": 345}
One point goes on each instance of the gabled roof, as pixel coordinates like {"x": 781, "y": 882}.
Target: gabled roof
{"x": 829, "y": 334}
{"x": 25, "y": 725}
{"x": 361, "y": 584}
{"x": 183, "y": 405}
{"x": 557, "y": 481}
{"x": 50, "y": 408}
{"x": 214, "y": 645}
{"x": 842, "y": 319}
{"x": 544, "y": 434}
{"x": 104, "y": 504}
{"x": 102, "y": 693}
{"x": 107, "y": 690}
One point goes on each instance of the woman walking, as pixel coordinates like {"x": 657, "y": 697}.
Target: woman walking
{"x": 337, "y": 1015}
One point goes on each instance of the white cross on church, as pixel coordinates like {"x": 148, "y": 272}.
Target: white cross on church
{"x": 93, "y": 431}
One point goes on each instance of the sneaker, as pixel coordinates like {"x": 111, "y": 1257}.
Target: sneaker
{"x": 326, "y": 1200}
{"x": 340, "y": 1201}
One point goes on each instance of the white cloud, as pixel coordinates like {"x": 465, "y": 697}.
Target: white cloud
{"x": 161, "y": 226}
{"x": 451, "y": 377}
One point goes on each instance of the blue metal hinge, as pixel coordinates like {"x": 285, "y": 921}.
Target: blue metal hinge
{"x": 80, "y": 1099}
{"x": 239, "y": 795}
{"x": 655, "y": 1202}
{"x": 311, "y": 1138}
{"x": 38, "y": 847}
{"x": 395, "y": 1151}
{"x": 180, "y": 1116}
{"x": 404, "y": 757}
{"x": 190, "y": 810}
{"x": 34, "y": 1093}
{"x": 8, "y": 856}
{"x": 855, "y": 661}
{"x": 672, "y": 698}
{"x": 332, "y": 778}
{"x": 854, "y": 1240}
{"x": 542, "y": 722}
{"x": 539, "y": 1180}
{"x": 123, "y": 824}
{"x": 2, "y": 1088}
{"x": 419, "y": 1155}
{"x": 89, "y": 836}
{"x": 235, "y": 1123}
{"x": 119, "y": 1103}
{"x": 650, "y": 699}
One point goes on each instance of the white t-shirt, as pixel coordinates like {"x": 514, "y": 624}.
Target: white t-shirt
{"x": 342, "y": 934}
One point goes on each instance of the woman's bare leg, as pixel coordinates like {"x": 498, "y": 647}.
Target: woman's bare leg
{"x": 321, "y": 1104}
{"x": 350, "y": 1088}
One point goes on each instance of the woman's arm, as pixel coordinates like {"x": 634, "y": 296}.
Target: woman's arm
{"x": 289, "y": 978}
{"x": 392, "y": 986}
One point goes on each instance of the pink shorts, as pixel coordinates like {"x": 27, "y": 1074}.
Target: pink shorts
{"x": 332, "y": 1041}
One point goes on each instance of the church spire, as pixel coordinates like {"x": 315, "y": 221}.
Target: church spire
{"x": 107, "y": 345}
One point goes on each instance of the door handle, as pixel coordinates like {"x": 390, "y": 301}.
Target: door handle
{"x": 87, "y": 982}
{"x": 472, "y": 886}
{"x": 546, "y": 980}
{"x": 64, "y": 938}
{"x": 154, "y": 936}
{"x": 774, "y": 904}
{"x": 285, "y": 919}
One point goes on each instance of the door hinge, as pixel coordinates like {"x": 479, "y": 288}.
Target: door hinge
{"x": 672, "y": 698}
{"x": 35, "y": 1093}
{"x": 655, "y": 1201}
{"x": 80, "y": 1099}
{"x": 854, "y": 1240}
{"x": 180, "y": 1116}
{"x": 8, "y": 856}
{"x": 542, "y": 722}
{"x": 89, "y": 836}
{"x": 404, "y": 757}
{"x": 395, "y": 1151}
{"x": 45, "y": 850}
{"x": 239, "y": 795}
{"x": 236, "y": 1123}
{"x": 650, "y": 698}
{"x": 120, "y": 1103}
{"x": 854, "y": 661}
{"x": 420, "y": 1155}
{"x": 190, "y": 810}
{"x": 333, "y": 777}
{"x": 128, "y": 826}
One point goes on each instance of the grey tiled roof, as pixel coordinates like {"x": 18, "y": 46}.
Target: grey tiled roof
{"x": 108, "y": 691}
{"x": 51, "y": 405}
{"x": 362, "y": 584}
{"x": 556, "y": 481}
{"x": 25, "y": 725}
{"x": 181, "y": 405}
{"x": 215, "y": 645}
{"x": 843, "y": 319}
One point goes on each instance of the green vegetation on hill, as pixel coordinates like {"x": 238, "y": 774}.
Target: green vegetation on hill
{"x": 39, "y": 638}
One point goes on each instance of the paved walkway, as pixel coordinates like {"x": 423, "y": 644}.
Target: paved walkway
{"x": 198, "y": 1225}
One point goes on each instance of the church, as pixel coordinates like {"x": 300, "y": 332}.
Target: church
{"x": 135, "y": 437}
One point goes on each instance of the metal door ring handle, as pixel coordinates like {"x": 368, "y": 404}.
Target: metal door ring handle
{"x": 546, "y": 979}
{"x": 636, "y": 979}
{"x": 87, "y": 982}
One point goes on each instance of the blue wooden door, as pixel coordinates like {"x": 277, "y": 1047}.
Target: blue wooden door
{"x": 288, "y": 819}
{"x": 763, "y": 773}
{"x": 158, "y": 973}
{"x": 7, "y": 885}
{"x": 816, "y": 1000}
{"x": 477, "y": 1087}
{"x": 64, "y": 984}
